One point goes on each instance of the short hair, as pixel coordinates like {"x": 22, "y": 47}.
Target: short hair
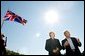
{"x": 50, "y": 33}
{"x": 66, "y": 31}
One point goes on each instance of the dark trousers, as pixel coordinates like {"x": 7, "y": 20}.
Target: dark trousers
{"x": 73, "y": 53}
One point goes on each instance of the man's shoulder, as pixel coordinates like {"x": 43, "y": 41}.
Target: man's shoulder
{"x": 56, "y": 39}
{"x": 64, "y": 40}
{"x": 47, "y": 39}
{"x": 73, "y": 38}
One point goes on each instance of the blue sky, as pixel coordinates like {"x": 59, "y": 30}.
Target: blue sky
{"x": 30, "y": 39}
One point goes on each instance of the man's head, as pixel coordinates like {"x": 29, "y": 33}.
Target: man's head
{"x": 52, "y": 34}
{"x": 67, "y": 34}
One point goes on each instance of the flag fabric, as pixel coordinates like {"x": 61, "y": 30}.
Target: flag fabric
{"x": 13, "y": 17}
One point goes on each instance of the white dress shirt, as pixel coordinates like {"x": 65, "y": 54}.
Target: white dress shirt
{"x": 70, "y": 43}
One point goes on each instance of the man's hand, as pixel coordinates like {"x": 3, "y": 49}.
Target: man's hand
{"x": 78, "y": 40}
{"x": 79, "y": 43}
{"x": 57, "y": 49}
{"x": 54, "y": 50}
{"x": 66, "y": 44}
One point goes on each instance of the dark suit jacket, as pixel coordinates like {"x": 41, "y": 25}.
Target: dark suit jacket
{"x": 68, "y": 49}
{"x": 52, "y": 44}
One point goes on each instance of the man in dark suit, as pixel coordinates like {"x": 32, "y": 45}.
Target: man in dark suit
{"x": 71, "y": 45}
{"x": 53, "y": 45}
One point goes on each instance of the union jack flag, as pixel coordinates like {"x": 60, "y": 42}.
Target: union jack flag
{"x": 13, "y": 17}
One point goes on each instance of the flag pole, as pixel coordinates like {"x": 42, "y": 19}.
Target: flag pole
{"x": 6, "y": 41}
{"x": 2, "y": 23}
